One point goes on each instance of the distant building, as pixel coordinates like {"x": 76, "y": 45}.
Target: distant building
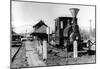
{"x": 13, "y": 32}
{"x": 14, "y": 35}
{"x": 15, "y": 39}
{"x": 40, "y": 27}
{"x": 40, "y": 30}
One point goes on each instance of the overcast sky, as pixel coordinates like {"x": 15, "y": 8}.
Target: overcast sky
{"x": 27, "y": 14}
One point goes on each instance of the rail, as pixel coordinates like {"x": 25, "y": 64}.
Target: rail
{"x": 12, "y": 59}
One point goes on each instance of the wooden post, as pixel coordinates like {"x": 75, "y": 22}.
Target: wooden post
{"x": 48, "y": 32}
{"x": 66, "y": 53}
{"x": 40, "y": 48}
{"x": 44, "y": 49}
{"x": 75, "y": 53}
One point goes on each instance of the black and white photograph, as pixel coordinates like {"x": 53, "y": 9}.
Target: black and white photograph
{"x": 47, "y": 34}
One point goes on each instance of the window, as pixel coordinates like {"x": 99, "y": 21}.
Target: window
{"x": 61, "y": 25}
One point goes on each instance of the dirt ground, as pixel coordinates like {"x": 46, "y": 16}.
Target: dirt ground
{"x": 20, "y": 59}
{"x": 59, "y": 57}
{"x": 55, "y": 57}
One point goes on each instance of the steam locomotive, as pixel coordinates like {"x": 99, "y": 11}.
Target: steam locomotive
{"x": 67, "y": 30}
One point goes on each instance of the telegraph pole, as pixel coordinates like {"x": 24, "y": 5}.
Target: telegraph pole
{"x": 89, "y": 41}
{"x": 90, "y": 29}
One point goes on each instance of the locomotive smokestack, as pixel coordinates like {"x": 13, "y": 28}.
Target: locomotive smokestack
{"x": 74, "y": 12}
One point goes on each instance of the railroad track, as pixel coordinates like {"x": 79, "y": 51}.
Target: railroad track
{"x": 12, "y": 59}
{"x": 14, "y": 56}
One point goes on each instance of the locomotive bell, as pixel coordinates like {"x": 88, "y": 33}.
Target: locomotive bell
{"x": 74, "y": 11}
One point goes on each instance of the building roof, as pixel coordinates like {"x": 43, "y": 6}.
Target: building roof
{"x": 39, "y": 24}
{"x": 13, "y": 32}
